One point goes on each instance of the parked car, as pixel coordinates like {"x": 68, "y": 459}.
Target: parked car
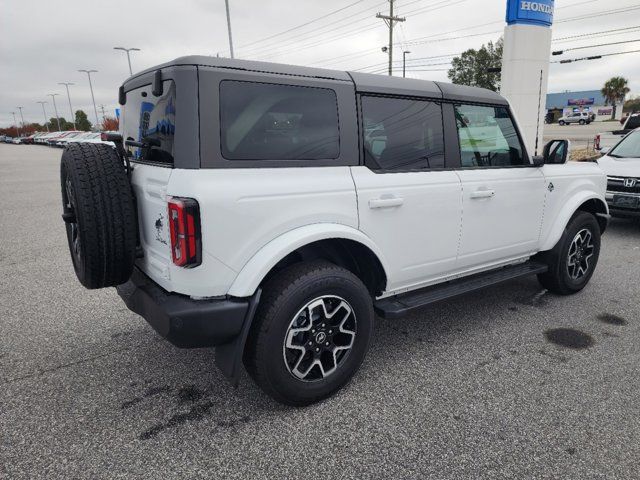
{"x": 581, "y": 118}
{"x": 261, "y": 217}
{"x": 622, "y": 167}
{"x": 605, "y": 140}
{"x": 60, "y": 140}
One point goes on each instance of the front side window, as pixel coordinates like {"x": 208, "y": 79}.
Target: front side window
{"x": 261, "y": 121}
{"x": 402, "y": 134}
{"x": 488, "y": 137}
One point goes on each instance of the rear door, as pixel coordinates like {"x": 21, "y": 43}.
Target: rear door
{"x": 408, "y": 204}
{"x": 503, "y": 194}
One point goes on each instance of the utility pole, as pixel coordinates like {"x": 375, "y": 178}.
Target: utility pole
{"x": 226, "y": 2}
{"x": 16, "y": 123}
{"x": 73, "y": 117}
{"x": 128, "y": 56}
{"x": 55, "y": 108}
{"x": 21, "y": 116}
{"x": 95, "y": 110}
{"x": 404, "y": 62}
{"x": 44, "y": 112}
{"x": 390, "y": 20}
{"x": 103, "y": 114}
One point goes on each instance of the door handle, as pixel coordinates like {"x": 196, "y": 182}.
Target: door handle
{"x": 483, "y": 194}
{"x": 386, "y": 201}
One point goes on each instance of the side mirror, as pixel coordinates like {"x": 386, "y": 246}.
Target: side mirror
{"x": 604, "y": 150}
{"x": 556, "y": 152}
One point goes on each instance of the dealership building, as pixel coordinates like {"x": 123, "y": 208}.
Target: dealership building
{"x": 590, "y": 101}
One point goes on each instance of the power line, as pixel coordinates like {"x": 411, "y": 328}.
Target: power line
{"x": 284, "y": 32}
{"x": 292, "y": 40}
{"x": 599, "y": 14}
{"x": 560, "y": 52}
{"x": 595, "y": 57}
{"x": 603, "y": 33}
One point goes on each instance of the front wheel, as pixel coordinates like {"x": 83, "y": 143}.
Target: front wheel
{"x": 573, "y": 260}
{"x": 561, "y": 123}
{"x": 311, "y": 332}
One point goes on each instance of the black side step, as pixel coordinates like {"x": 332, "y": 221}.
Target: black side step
{"x": 399, "y": 305}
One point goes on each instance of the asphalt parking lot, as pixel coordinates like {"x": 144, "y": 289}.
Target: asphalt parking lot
{"x": 478, "y": 387}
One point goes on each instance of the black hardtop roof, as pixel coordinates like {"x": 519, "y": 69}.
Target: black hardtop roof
{"x": 364, "y": 82}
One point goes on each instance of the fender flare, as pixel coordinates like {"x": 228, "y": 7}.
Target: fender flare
{"x": 254, "y": 271}
{"x": 563, "y": 217}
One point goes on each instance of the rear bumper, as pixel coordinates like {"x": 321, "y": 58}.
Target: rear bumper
{"x": 184, "y": 322}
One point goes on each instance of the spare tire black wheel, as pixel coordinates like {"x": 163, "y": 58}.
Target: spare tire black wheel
{"x": 98, "y": 208}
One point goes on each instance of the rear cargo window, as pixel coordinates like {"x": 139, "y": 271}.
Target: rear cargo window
{"x": 147, "y": 118}
{"x": 261, "y": 121}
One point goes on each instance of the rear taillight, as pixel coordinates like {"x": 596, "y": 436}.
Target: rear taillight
{"x": 184, "y": 227}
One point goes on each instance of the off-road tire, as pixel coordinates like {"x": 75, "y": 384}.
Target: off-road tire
{"x": 283, "y": 296}
{"x": 98, "y": 208}
{"x": 557, "y": 278}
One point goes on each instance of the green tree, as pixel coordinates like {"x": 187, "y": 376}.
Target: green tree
{"x": 53, "y": 124}
{"x": 82, "y": 122}
{"x": 632, "y": 105}
{"x": 473, "y": 67}
{"x": 614, "y": 91}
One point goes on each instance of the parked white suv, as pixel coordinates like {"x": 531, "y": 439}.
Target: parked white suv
{"x": 270, "y": 210}
{"x": 582, "y": 118}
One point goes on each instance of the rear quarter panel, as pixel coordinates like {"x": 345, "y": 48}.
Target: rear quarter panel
{"x": 242, "y": 210}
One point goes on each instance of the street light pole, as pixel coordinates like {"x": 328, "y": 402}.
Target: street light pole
{"x": 404, "y": 62}
{"x": 95, "y": 110}
{"x": 73, "y": 117}
{"x": 44, "y": 112}
{"x": 16, "y": 123}
{"x": 21, "y": 116}
{"x": 226, "y": 2}
{"x": 128, "y": 56}
{"x": 55, "y": 108}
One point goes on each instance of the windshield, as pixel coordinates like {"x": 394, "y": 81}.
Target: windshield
{"x": 629, "y": 146}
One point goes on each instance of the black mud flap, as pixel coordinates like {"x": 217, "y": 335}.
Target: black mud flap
{"x": 229, "y": 355}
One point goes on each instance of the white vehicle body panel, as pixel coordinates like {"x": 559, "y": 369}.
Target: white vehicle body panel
{"x": 419, "y": 227}
{"x": 503, "y": 209}
{"x": 620, "y": 167}
{"x": 574, "y": 183}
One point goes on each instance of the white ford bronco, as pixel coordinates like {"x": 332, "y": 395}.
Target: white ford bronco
{"x": 272, "y": 210}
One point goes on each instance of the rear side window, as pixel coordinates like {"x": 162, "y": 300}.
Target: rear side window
{"x": 488, "y": 137}
{"x": 261, "y": 121}
{"x": 402, "y": 134}
{"x": 147, "y": 118}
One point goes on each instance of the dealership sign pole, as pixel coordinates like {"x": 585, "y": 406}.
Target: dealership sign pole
{"x": 525, "y": 64}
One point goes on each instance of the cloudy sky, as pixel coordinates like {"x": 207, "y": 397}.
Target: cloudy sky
{"x": 42, "y": 44}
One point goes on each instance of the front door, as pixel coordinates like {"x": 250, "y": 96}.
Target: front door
{"x": 503, "y": 194}
{"x": 407, "y": 204}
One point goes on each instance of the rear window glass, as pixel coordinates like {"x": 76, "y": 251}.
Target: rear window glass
{"x": 261, "y": 121}
{"x": 633, "y": 122}
{"x": 147, "y": 118}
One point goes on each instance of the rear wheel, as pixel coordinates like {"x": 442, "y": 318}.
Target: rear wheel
{"x": 582, "y": 122}
{"x": 573, "y": 260}
{"x": 561, "y": 123}
{"x": 98, "y": 210}
{"x": 311, "y": 332}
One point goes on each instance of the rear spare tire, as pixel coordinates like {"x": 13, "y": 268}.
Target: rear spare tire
{"x": 98, "y": 209}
